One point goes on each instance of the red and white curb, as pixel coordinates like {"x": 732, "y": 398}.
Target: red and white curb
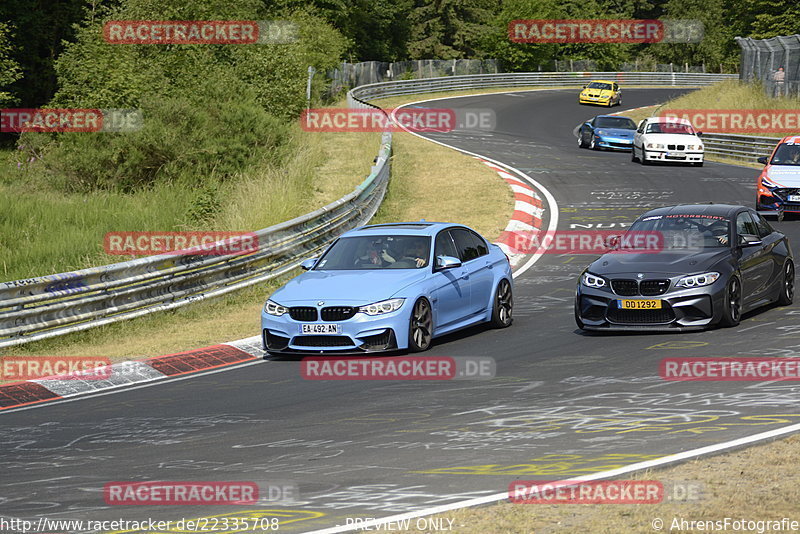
{"x": 119, "y": 375}
{"x": 526, "y": 221}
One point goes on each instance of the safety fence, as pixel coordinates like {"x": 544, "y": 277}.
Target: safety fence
{"x": 47, "y": 306}
{"x": 742, "y": 147}
{"x": 775, "y": 62}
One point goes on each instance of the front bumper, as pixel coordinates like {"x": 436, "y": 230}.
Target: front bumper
{"x": 777, "y": 200}
{"x": 614, "y": 143}
{"x": 666, "y": 156}
{"x": 592, "y": 100}
{"x": 684, "y": 309}
{"x": 359, "y": 334}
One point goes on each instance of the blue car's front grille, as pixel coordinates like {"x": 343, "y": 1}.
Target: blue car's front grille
{"x": 322, "y": 341}
{"x": 303, "y": 313}
{"x": 338, "y": 313}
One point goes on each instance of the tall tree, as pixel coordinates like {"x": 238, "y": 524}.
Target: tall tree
{"x": 9, "y": 69}
{"x": 450, "y": 29}
{"x": 41, "y": 29}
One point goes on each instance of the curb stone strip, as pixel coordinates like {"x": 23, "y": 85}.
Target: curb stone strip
{"x": 127, "y": 373}
{"x": 526, "y": 221}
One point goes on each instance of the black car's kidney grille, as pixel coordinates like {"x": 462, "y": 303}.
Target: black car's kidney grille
{"x": 649, "y": 288}
{"x": 303, "y": 313}
{"x": 676, "y": 147}
{"x": 338, "y": 313}
{"x": 322, "y": 341}
{"x": 658, "y": 316}
{"x": 633, "y": 288}
{"x": 626, "y": 288}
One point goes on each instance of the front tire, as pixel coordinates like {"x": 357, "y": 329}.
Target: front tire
{"x": 732, "y": 313}
{"x": 420, "y": 328}
{"x": 581, "y": 142}
{"x": 634, "y": 159}
{"x": 593, "y": 144}
{"x": 786, "y": 296}
{"x": 644, "y": 157}
{"x": 503, "y": 307}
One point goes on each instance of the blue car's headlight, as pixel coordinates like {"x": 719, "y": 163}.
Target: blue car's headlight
{"x": 273, "y": 308}
{"x": 698, "y": 280}
{"x": 590, "y": 280}
{"x": 384, "y": 306}
{"x": 600, "y": 132}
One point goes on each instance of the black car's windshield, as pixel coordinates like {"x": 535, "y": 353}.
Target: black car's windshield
{"x": 377, "y": 252}
{"x": 669, "y": 128}
{"x": 598, "y": 85}
{"x": 685, "y": 232}
{"x": 787, "y": 154}
{"x": 623, "y": 123}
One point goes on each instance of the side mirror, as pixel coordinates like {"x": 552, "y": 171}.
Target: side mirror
{"x": 613, "y": 242}
{"x": 699, "y": 134}
{"x": 749, "y": 241}
{"x": 447, "y": 262}
{"x": 762, "y": 160}
{"x": 308, "y": 264}
{"x": 585, "y": 86}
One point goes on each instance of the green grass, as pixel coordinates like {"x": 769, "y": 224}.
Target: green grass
{"x": 44, "y": 230}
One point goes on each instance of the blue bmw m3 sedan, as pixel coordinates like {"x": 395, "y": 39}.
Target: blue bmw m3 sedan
{"x": 390, "y": 287}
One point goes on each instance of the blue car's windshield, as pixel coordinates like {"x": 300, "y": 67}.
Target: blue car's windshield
{"x": 377, "y": 252}
{"x": 685, "y": 232}
{"x": 787, "y": 154}
{"x": 623, "y": 123}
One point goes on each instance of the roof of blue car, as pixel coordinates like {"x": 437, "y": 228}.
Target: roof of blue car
{"x": 418, "y": 227}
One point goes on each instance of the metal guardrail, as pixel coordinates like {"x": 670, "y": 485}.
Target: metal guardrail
{"x": 744, "y": 147}
{"x": 533, "y": 79}
{"x": 48, "y": 306}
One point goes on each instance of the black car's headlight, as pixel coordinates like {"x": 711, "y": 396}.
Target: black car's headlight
{"x": 590, "y": 280}
{"x": 698, "y": 280}
{"x": 273, "y": 308}
{"x": 384, "y": 306}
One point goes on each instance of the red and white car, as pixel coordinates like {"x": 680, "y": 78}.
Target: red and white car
{"x": 667, "y": 139}
{"x": 778, "y": 184}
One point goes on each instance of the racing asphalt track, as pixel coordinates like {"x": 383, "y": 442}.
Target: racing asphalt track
{"x": 563, "y": 404}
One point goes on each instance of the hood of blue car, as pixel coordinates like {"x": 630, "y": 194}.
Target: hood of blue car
{"x": 616, "y": 132}
{"x": 357, "y": 286}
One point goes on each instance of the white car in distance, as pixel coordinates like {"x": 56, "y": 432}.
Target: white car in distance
{"x": 667, "y": 139}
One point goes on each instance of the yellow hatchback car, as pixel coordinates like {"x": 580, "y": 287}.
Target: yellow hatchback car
{"x": 601, "y": 93}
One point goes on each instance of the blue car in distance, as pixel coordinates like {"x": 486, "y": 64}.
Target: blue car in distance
{"x": 390, "y": 287}
{"x": 607, "y": 131}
